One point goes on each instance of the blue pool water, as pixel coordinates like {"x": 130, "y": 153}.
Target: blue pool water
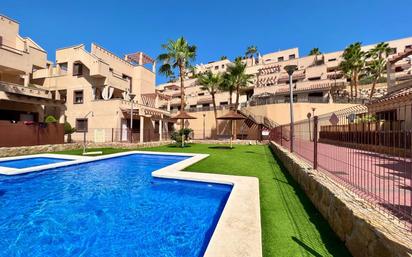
{"x": 111, "y": 207}
{"x": 30, "y": 162}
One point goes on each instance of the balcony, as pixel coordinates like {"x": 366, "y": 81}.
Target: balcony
{"x": 26, "y": 91}
{"x": 49, "y": 73}
{"x": 118, "y": 82}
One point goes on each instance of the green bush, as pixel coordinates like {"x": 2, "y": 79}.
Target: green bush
{"x": 177, "y": 135}
{"x": 68, "y": 129}
{"x": 50, "y": 119}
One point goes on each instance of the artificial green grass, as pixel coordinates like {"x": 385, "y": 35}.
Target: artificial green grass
{"x": 291, "y": 226}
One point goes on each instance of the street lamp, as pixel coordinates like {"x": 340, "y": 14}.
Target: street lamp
{"x": 313, "y": 111}
{"x": 290, "y": 69}
{"x": 309, "y": 115}
{"x": 132, "y": 96}
{"x": 84, "y": 132}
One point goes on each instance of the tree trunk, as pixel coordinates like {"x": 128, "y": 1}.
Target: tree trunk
{"x": 182, "y": 93}
{"x": 373, "y": 88}
{"x": 215, "y": 111}
{"x": 237, "y": 97}
{"x": 351, "y": 89}
{"x": 230, "y": 98}
{"x": 356, "y": 84}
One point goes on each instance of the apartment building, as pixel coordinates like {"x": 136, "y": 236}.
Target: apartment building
{"x": 317, "y": 80}
{"x": 105, "y": 97}
{"x": 99, "y": 88}
{"x": 20, "y": 57}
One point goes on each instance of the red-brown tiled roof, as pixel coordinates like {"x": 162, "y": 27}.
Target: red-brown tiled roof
{"x": 393, "y": 95}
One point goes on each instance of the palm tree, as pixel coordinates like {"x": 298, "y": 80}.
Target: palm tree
{"x": 377, "y": 64}
{"x": 228, "y": 85}
{"x": 315, "y": 51}
{"x": 251, "y": 51}
{"x": 223, "y": 57}
{"x": 178, "y": 56}
{"x": 352, "y": 64}
{"x": 238, "y": 77}
{"x": 211, "y": 82}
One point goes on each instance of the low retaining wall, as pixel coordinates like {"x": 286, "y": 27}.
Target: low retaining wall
{"x": 226, "y": 142}
{"x": 24, "y": 150}
{"x": 366, "y": 231}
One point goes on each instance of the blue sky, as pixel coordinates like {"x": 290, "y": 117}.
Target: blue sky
{"x": 216, "y": 27}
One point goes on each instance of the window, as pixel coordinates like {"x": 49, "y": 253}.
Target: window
{"x": 223, "y": 66}
{"x": 1, "y": 40}
{"x": 292, "y": 56}
{"x": 81, "y": 125}
{"x": 332, "y": 60}
{"x": 78, "y": 97}
{"x": 216, "y": 67}
{"x": 281, "y": 59}
{"x": 201, "y": 94}
{"x": 224, "y": 103}
{"x": 77, "y": 69}
{"x": 63, "y": 66}
{"x": 63, "y": 95}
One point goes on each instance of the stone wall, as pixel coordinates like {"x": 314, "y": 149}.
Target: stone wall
{"x": 25, "y": 150}
{"x": 365, "y": 230}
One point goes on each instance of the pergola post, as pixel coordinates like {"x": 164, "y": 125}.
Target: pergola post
{"x": 141, "y": 128}
{"x": 161, "y": 128}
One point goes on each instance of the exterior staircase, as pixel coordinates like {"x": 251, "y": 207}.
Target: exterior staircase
{"x": 256, "y": 123}
{"x": 257, "y": 120}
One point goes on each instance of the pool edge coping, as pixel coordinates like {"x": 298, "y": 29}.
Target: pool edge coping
{"x": 238, "y": 231}
{"x": 16, "y": 171}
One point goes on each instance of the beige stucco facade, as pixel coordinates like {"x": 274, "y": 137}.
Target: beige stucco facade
{"x": 90, "y": 90}
{"x": 317, "y": 80}
{"x": 96, "y": 87}
{"x": 20, "y": 98}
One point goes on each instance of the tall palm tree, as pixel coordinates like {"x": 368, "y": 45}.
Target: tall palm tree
{"x": 353, "y": 64}
{"x": 211, "y": 82}
{"x": 237, "y": 72}
{"x": 228, "y": 85}
{"x": 315, "y": 51}
{"x": 177, "y": 57}
{"x": 251, "y": 51}
{"x": 377, "y": 64}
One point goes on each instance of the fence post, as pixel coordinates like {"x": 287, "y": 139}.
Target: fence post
{"x": 315, "y": 142}
{"x": 291, "y": 135}
{"x": 281, "y": 135}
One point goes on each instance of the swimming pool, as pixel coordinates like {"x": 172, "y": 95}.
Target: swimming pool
{"x": 31, "y": 162}
{"x": 111, "y": 207}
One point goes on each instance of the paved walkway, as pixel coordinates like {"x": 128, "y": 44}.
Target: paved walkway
{"x": 385, "y": 179}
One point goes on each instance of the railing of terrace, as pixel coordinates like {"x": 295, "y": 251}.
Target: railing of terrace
{"x": 369, "y": 153}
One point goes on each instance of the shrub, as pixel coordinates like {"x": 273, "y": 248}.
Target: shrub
{"x": 68, "y": 129}
{"x": 50, "y": 119}
{"x": 177, "y": 135}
